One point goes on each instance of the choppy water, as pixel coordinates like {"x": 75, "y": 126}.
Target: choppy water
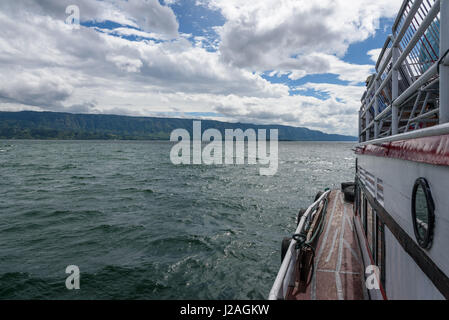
{"x": 141, "y": 228}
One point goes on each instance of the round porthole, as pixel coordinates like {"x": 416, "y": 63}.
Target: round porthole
{"x": 423, "y": 213}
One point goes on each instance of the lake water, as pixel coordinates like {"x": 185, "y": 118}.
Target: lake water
{"x": 139, "y": 227}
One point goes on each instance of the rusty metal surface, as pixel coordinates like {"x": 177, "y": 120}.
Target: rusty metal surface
{"x": 431, "y": 150}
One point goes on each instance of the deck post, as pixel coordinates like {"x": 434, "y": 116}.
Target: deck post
{"x": 376, "y": 109}
{"x": 360, "y": 126}
{"x": 444, "y": 68}
{"x": 367, "y": 123}
{"x": 395, "y": 93}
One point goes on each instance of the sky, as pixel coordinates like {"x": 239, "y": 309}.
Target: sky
{"x": 290, "y": 62}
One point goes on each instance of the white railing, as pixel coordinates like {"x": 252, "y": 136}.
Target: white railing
{"x": 286, "y": 275}
{"x": 410, "y": 90}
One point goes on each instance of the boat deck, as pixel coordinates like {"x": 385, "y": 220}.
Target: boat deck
{"x": 338, "y": 263}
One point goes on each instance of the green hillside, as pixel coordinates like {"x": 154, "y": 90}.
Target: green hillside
{"x": 66, "y": 126}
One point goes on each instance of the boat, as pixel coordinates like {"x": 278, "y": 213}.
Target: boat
{"x": 385, "y": 236}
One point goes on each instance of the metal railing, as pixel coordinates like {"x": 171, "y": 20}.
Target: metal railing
{"x": 410, "y": 89}
{"x": 285, "y": 277}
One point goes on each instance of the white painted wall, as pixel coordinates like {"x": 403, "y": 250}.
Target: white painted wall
{"x": 404, "y": 279}
{"x": 399, "y": 177}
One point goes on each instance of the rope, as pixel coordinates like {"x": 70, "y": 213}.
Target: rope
{"x": 313, "y": 263}
{"x": 321, "y": 225}
{"x": 301, "y": 238}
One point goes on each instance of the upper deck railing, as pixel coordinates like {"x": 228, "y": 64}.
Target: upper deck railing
{"x": 410, "y": 89}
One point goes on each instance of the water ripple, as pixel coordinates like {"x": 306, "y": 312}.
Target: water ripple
{"x": 141, "y": 228}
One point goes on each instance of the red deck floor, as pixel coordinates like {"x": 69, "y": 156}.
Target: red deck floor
{"x": 338, "y": 262}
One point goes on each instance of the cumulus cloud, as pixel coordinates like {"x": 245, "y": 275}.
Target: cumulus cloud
{"x": 265, "y": 35}
{"x": 319, "y": 63}
{"x": 46, "y": 65}
{"x": 374, "y": 54}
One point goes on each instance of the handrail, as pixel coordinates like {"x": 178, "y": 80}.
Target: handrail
{"x": 412, "y": 43}
{"x": 385, "y": 47}
{"x": 400, "y": 15}
{"x": 396, "y": 39}
{"x": 431, "y": 15}
{"x": 416, "y": 85}
{"x": 278, "y": 291}
{"x": 409, "y": 92}
{"x": 411, "y": 15}
{"x": 382, "y": 69}
{"x": 442, "y": 129}
{"x": 405, "y": 66}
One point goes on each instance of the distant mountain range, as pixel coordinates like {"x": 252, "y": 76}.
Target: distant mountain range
{"x": 67, "y": 126}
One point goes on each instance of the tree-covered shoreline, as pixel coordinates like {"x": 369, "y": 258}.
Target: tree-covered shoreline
{"x": 67, "y": 126}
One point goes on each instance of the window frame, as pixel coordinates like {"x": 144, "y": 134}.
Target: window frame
{"x": 427, "y": 241}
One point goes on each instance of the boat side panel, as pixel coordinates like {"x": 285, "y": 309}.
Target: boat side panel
{"x": 398, "y": 178}
{"x": 404, "y": 279}
{"x": 367, "y": 259}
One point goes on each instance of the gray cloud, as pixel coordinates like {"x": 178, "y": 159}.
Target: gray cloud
{"x": 149, "y": 15}
{"x": 246, "y": 45}
{"x": 35, "y": 89}
{"x": 48, "y": 66}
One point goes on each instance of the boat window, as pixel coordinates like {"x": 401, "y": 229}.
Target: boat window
{"x": 423, "y": 213}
